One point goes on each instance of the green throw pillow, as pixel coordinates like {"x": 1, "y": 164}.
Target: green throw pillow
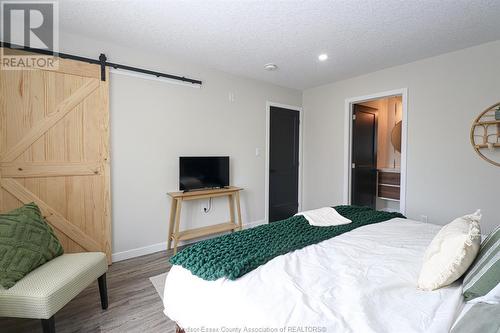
{"x": 26, "y": 242}
{"x": 484, "y": 274}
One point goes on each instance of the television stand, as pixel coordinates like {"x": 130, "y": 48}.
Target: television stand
{"x": 233, "y": 195}
{"x": 203, "y": 189}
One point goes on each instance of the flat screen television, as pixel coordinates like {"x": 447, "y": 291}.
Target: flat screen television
{"x": 203, "y": 172}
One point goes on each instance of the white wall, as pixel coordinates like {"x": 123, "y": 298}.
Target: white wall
{"x": 445, "y": 177}
{"x": 389, "y": 112}
{"x": 153, "y": 123}
{"x": 394, "y": 113}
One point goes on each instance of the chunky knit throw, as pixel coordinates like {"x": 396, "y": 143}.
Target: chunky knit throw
{"x": 233, "y": 255}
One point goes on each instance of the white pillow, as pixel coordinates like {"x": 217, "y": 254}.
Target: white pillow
{"x": 451, "y": 252}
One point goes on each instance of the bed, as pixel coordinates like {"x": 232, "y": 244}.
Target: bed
{"x": 361, "y": 281}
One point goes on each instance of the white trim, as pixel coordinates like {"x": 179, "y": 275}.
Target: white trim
{"x": 254, "y": 224}
{"x": 268, "y": 123}
{"x": 348, "y": 141}
{"x": 149, "y": 249}
{"x": 388, "y": 199}
{"x": 140, "y": 251}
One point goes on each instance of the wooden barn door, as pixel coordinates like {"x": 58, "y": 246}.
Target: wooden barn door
{"x": 54, "y": 150}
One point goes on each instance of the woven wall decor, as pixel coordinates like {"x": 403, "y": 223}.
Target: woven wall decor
{"x": 485, "y": 134}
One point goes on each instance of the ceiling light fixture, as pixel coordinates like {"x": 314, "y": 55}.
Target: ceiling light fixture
{"x": 323, "y": 57}
{"x": 270, "y": 67}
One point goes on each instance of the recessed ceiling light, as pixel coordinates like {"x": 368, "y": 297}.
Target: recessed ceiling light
{"x": 323, "y": 57}
{"x": 270, "y": 67}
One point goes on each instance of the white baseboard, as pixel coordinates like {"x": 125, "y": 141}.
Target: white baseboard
{"x": 253, "y": 224}
{"x": 141, "y": 251}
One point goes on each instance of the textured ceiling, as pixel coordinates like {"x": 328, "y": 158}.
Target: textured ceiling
{"x": 239, "y": 37}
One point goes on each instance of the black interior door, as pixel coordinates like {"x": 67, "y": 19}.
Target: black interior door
{"x": 283, "y": 163}
{"x": 364, "y": 156}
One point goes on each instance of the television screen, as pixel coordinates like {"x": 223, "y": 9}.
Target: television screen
{"x": 203, "y": 172}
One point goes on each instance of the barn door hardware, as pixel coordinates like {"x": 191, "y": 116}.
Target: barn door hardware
{"x": 102, "y": 61}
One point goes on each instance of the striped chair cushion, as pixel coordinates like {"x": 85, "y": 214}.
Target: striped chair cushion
{"x": 44, "y": 291}
{"x": 484, "y": 274}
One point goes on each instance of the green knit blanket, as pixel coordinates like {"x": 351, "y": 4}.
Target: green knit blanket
{"x": 233, "y": 255}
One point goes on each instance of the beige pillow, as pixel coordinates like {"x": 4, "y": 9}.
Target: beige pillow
{"x": 451, "y": 252}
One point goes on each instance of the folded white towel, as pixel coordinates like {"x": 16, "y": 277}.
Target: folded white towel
{"x": 324, "y": 217}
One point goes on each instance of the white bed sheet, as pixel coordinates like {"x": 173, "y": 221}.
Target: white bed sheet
{"x": 362, "y": 281}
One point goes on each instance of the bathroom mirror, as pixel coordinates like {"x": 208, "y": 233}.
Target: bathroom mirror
{"x": 396, "y": 136}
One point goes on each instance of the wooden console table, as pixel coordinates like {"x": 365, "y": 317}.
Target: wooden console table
{"x": 231, "y": 192}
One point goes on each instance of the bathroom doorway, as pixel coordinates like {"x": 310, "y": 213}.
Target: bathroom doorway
{"x": 376, "y": 152}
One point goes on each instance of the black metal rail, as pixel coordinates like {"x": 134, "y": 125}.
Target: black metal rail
{"x": 102, "y": 61}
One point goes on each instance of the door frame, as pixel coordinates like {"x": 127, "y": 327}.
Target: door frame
{"x": 349, "y": 102}
{"x": 269, "y": 104}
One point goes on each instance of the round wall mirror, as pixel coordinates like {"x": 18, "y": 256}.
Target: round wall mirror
{"x": 396, "y": 136}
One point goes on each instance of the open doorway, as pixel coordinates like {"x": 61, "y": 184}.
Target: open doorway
{"x": 376, "y": 151}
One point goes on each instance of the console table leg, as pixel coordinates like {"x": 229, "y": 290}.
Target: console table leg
{"x": 177, "y": 223}
{"x": 238, "y": 207}
{"x": 171, "y": 223}
{"x": 231, "y": 208}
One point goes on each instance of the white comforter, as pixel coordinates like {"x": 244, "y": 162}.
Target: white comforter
{"x": 361, "y": 281}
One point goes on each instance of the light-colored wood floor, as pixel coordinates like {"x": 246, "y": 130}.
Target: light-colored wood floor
{"x": 134, "y": 304}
